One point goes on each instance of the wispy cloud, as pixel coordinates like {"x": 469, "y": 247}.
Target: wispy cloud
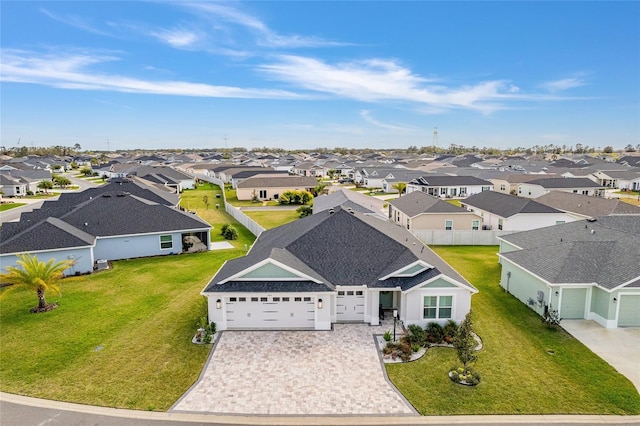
{"x": 265, "y": 36}
{"x": 387, "y": 80}
{"x": 366, "y": 116}
{"x": 76, "y": 22}
{"x": 176, "y": 37}
{"x": 563, "y": 84}
{"x": 73, "y": 71}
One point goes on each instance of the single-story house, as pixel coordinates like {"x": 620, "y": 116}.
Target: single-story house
{"x": 504, "y": 212}
{"x": 585, "y": 207}
{"x": 12, "y": 186}
{"x": 587, "y": 269}
{"x": 508, "y": 183}
{"x": 449, "y": 186}
{"x": 420, "y": 211}
{"x": 538, "y": 187}
{"x": 349, "y": 199}
{"x": 335, "y": 266}
{"x": 621, "y": 179}
{"x": 111, "y": 226}
{"x": 270, "y": 188}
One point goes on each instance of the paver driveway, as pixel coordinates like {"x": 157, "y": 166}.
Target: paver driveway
{"x": 295, "y": 372}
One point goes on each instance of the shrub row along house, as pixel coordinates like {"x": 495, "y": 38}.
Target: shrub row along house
{"x": 337, "y": 265}
{"x": 121, "y": 220}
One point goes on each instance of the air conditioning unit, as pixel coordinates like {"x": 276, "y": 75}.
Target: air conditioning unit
{"x": 540, "y": 296}
{"x": 102, "y": 264}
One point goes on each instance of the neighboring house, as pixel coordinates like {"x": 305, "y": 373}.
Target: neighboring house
{"x": 12, "y": 186}
{"x": 110, "y": 226}
{"x": 587, "y": 269}
{"x": 584, "y": 206}
{"x": 270, "y": 188}
{"x": 508, "y": 184}
{"x": 618, "y": 179}
{"x": 349, "y": 199}
{"x": 505, "y": 212}
{"x": 335, "y": 266}
{"x": 538, "y": 187}
{"x": 419, "y": 211}
{"x": 449, "y": 186}
{"x": 259, "y": 172}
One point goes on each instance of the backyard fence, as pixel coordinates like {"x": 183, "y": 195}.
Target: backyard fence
{"x": 459, "y": 237}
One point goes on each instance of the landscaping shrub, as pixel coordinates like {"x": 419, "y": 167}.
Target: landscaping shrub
{"x": 229, "y": 232}
{"x": 401, "y": 349}
{"x": 434, "y": 333}
{"x": 416, "y": 335}
{"x": 450, "y": 330}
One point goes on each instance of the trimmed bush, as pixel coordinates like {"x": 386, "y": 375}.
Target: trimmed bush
{"x": 434, "y": 333}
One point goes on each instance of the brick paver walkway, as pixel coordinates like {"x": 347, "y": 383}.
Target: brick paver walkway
{"x": 296, "y": 372}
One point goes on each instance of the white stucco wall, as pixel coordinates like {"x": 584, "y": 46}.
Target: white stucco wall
{"x": 413, "y": 304}
{"x": 126, "y": 247}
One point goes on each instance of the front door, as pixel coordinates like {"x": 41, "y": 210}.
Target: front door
{"x": 350, "y": 305}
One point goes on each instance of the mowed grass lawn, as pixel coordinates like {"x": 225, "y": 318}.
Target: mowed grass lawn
{"x": 519, "y": 376}
{"x": 121, "y": 337}
{"x": 272, "y": 218}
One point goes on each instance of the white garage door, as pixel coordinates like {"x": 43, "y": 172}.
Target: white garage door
{"x": 629, "y": 314}
{"x": 573, "y": 303}
{"x": 350, "y": 305}
{"x": 270, "y": 312}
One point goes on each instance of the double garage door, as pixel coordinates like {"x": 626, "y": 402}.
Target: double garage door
{"x": 270, "y": 312}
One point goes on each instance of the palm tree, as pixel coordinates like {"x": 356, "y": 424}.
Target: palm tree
{"x": 400, "y": 186}
{"x": 46, "y": 185}
{"x": 37, "y": 275}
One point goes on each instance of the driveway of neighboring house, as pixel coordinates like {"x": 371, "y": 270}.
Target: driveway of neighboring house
{"x": 618, "y": 346}
{"x": 336, "y": 372}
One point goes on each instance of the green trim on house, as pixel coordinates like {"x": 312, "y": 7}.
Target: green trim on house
{"x": 269, "y": 271}
{"x": 439, "y": 283}
{"x": 411, "y": 270}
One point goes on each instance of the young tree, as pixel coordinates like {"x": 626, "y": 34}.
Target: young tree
{"x": 46, "y": 185}
{"x": 35, "y": 275}
{"x": 400, "y": 186}
{"x": 465, "y": 343}
{"x": 62, "y": 181}
{"x": 205, "y": 200}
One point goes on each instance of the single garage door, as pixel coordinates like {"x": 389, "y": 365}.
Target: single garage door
{"x": 350, "y": 305}
{"x": 270, "y": 312}
{"x": 629, "y": 314}
{"x": 573, "y": 303}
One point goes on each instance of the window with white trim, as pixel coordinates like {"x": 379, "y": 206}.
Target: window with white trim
{"x": 437, "y": 307}
{"x": 166, "y": 242}
{"x": 475, "y": 225}
{"x": 500, "y": 224}
{"x": 448, "y": 225}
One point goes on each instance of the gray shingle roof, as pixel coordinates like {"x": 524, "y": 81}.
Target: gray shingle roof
{"x": 430, "y": 180}
{"x": 586, "y": 205}
{"x": 565, "y": 183}
{"x": 339, "y": 249}
{"x": 111, "y": 214}
{"x": 347, "y": 198}
{"x": 418, "y": 202}
{"x": 505, "y": 205}
{"x": 279, "y": 182}
{"x": 603, "y": 252}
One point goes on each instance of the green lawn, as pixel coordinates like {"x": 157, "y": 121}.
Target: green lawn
{"x": 119, "y": 338}
{"x": 454, "y": 202}
{"x": 518, "y": 375}
{"x": 142, "y": 314}
{"x": 193, "y": 200}
{"x": 9, "y": 206}
{"x": 232, "y": 198}
{"x": 272, "y": 218}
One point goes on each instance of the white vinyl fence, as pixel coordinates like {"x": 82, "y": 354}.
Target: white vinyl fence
{"x": 245, "y": 220}
{"x": 459, "y": 237}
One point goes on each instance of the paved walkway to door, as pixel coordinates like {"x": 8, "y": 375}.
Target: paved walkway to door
{"x": 295, "y": 372}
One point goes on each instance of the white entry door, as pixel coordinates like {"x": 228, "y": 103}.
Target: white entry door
{"x": 350, "y": 305}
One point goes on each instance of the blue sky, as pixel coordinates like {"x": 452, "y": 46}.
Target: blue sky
{"x": 302, "y": 74}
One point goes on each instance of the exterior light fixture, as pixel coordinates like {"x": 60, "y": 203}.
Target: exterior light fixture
{"x": 218, "y": 304}
{"x": 395, "y": 319}
{"x": 557, "y": 293}
{"x": 319, "y": 303}
{"x": 615, "y": 300}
